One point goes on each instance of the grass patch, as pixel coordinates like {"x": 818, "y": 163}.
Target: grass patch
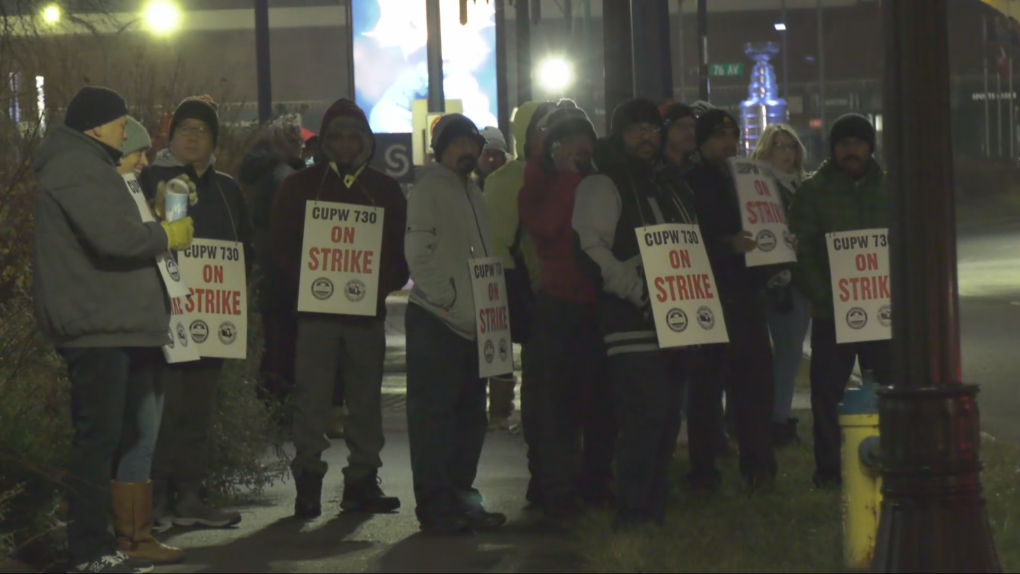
{"x": 792, "y": 528}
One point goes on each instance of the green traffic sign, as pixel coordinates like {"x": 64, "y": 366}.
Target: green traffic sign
{"x": 726, "y": 70}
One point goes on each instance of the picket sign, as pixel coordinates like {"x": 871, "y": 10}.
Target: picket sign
{"x": 341, "y": 251}
{"x": 762, "y": 212}
{"x": 218, "y": 306}
{"x": 492, "y": 317}
{"x": 681, "y": 285}
{"x": 179, "y": 348}
{"x": 861, "y": 296}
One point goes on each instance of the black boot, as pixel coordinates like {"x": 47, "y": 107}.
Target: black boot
{"x": 785, "y": 434}
{"x": 309, "y": 496}
{"x": 366, "y": 495}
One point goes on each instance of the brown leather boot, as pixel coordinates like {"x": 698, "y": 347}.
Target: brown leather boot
{"x": 132, "y": 523}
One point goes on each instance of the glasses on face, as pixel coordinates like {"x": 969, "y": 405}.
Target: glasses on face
{"x": 642, "y": 130}
{"x": 196, "y": 131}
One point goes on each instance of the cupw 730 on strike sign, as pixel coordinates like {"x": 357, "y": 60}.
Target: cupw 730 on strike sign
{"x": 681, "y": 286}
{"x": 763, "y": 214}
{"x": 340, "y": 259}
{"x": 217, "y": 309}
{"x": 492, "y": 317}
{"x": 859, "y": 261}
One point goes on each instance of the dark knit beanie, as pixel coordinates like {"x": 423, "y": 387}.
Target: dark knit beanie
{"x": 93, "y": 107}
{"x": 712, "y": 121}
{"x": 451, "y": 127}
{"x": 635, "y": 112}
{"x": 852, "y": 126}
{"x": 674, "y": 111}
{"x": 201, "y": 109}
{"x": 566, "y": 122}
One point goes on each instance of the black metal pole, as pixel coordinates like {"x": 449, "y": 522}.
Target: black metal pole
{"x": 786, "y": 56}
{"x": 262, "y": 61}
{"x": 502, "y": 72}
{"x": 349, "y": 36}
{"x": 619, "y": 60}
{"x": 934, "y": 517}
{"x": 437, "y": 98}
{"x": 821, "y": 73}
{"x": 523, "y": 23}
{"x": 653, "y": 79}
{"x": 588, "y": 63}
{"x": 704, "y": 89}
{"x": 680, "y": 51}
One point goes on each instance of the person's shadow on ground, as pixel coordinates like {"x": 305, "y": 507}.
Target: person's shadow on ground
{"x": 257, "y": 553}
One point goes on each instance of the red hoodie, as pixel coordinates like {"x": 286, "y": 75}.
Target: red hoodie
{"x": 546, "y": 204}
{"x": 287, "y": 225}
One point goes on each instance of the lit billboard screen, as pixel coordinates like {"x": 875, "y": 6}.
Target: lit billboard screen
{"x": 391, "y": 65}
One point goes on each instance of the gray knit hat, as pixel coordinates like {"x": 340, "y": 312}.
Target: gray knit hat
{"x": 138, "y": 139}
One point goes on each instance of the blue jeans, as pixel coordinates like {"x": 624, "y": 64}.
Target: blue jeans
{"x": 143, "y": 414}
{"x": 789, "y": 329}
{"x": 106, "y": 429}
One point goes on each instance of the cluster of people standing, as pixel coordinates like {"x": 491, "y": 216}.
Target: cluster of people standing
{"x": 602, "y": 403}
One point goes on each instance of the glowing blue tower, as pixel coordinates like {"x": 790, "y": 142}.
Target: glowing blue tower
{"x": 763, "y": 106}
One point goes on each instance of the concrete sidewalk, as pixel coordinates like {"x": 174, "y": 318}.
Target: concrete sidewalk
{"x": 269, "y": 540}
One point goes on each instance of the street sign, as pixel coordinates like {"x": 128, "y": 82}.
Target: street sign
{"x": 726, "y": 70}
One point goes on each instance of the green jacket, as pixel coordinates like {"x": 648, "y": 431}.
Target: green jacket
{"x": 501, "y": 190}
{"x": 831, "y": 201}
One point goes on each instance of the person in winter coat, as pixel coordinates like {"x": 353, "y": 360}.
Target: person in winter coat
{"x": 744, "y": 366}
{"x": 575, "y": 396}
{"x": 845, "y": 194}
{"x": 94, "y": 252}
{"x": 330, "y": 346}
{"x": 679, "y": 142}
{"x": 135, "y": 149}
{"x": 647, "y": 381}
{"x": 520, "y": 263}
{"x": 275, "y": 156}
{"x": 494, "y": 155}
{"x": 132, "y": 488}
{"x": 789, "y": 312}
{"x": 447, "y": 226}
{"x": 220, "y": 212}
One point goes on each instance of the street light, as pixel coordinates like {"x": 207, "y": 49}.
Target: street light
{"x": 780, "y": 27}
{"x": 555, "y": 75}
{"x": 51, "y": 14}
{"x": 162, "y": 17}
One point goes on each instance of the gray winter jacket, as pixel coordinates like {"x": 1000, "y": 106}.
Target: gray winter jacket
{"x": 95, "y": 278}
{"x": 447, "y": 225}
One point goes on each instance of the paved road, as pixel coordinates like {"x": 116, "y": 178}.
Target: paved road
{"x": 989, "y": 268}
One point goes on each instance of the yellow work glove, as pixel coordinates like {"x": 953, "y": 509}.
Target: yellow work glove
{"x": 179, "y": 233}
{"x": 159, "y": 204}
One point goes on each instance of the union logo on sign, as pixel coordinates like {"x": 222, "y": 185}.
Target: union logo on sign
{"x": 766, "y": 241}
{"x": 199, "y": 331}
{"x": 504, "y": 349}
{"x": 676, "y": 319}
{"x": 885, "y": 316}
{"x": 355, "y": 291}
{"x": 182, "y": 334}
{"x": 227, "y": 333}
{"x": 490, "y": 352}
{"x": 322, "y": 289}
{"x": 857, "y": 318}
{"x": 706, "y": 318}
{"x": 171, "y": 341}
{"x": 172, "y": 269}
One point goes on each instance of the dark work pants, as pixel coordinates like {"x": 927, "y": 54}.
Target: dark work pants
{"x": 101, "y": 382}
{"x": 446, "y": 418}
{"x": 279, "y": 327}
{"x": 182, "y": 453}
{"x": 744, "y": 369}
{"x": 831, "y": 368}
{"x": 648, "y": 395}
{"x": 575, "y": 402}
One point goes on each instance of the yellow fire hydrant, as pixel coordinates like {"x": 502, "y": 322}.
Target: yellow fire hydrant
{"x": 862, "y": 480}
